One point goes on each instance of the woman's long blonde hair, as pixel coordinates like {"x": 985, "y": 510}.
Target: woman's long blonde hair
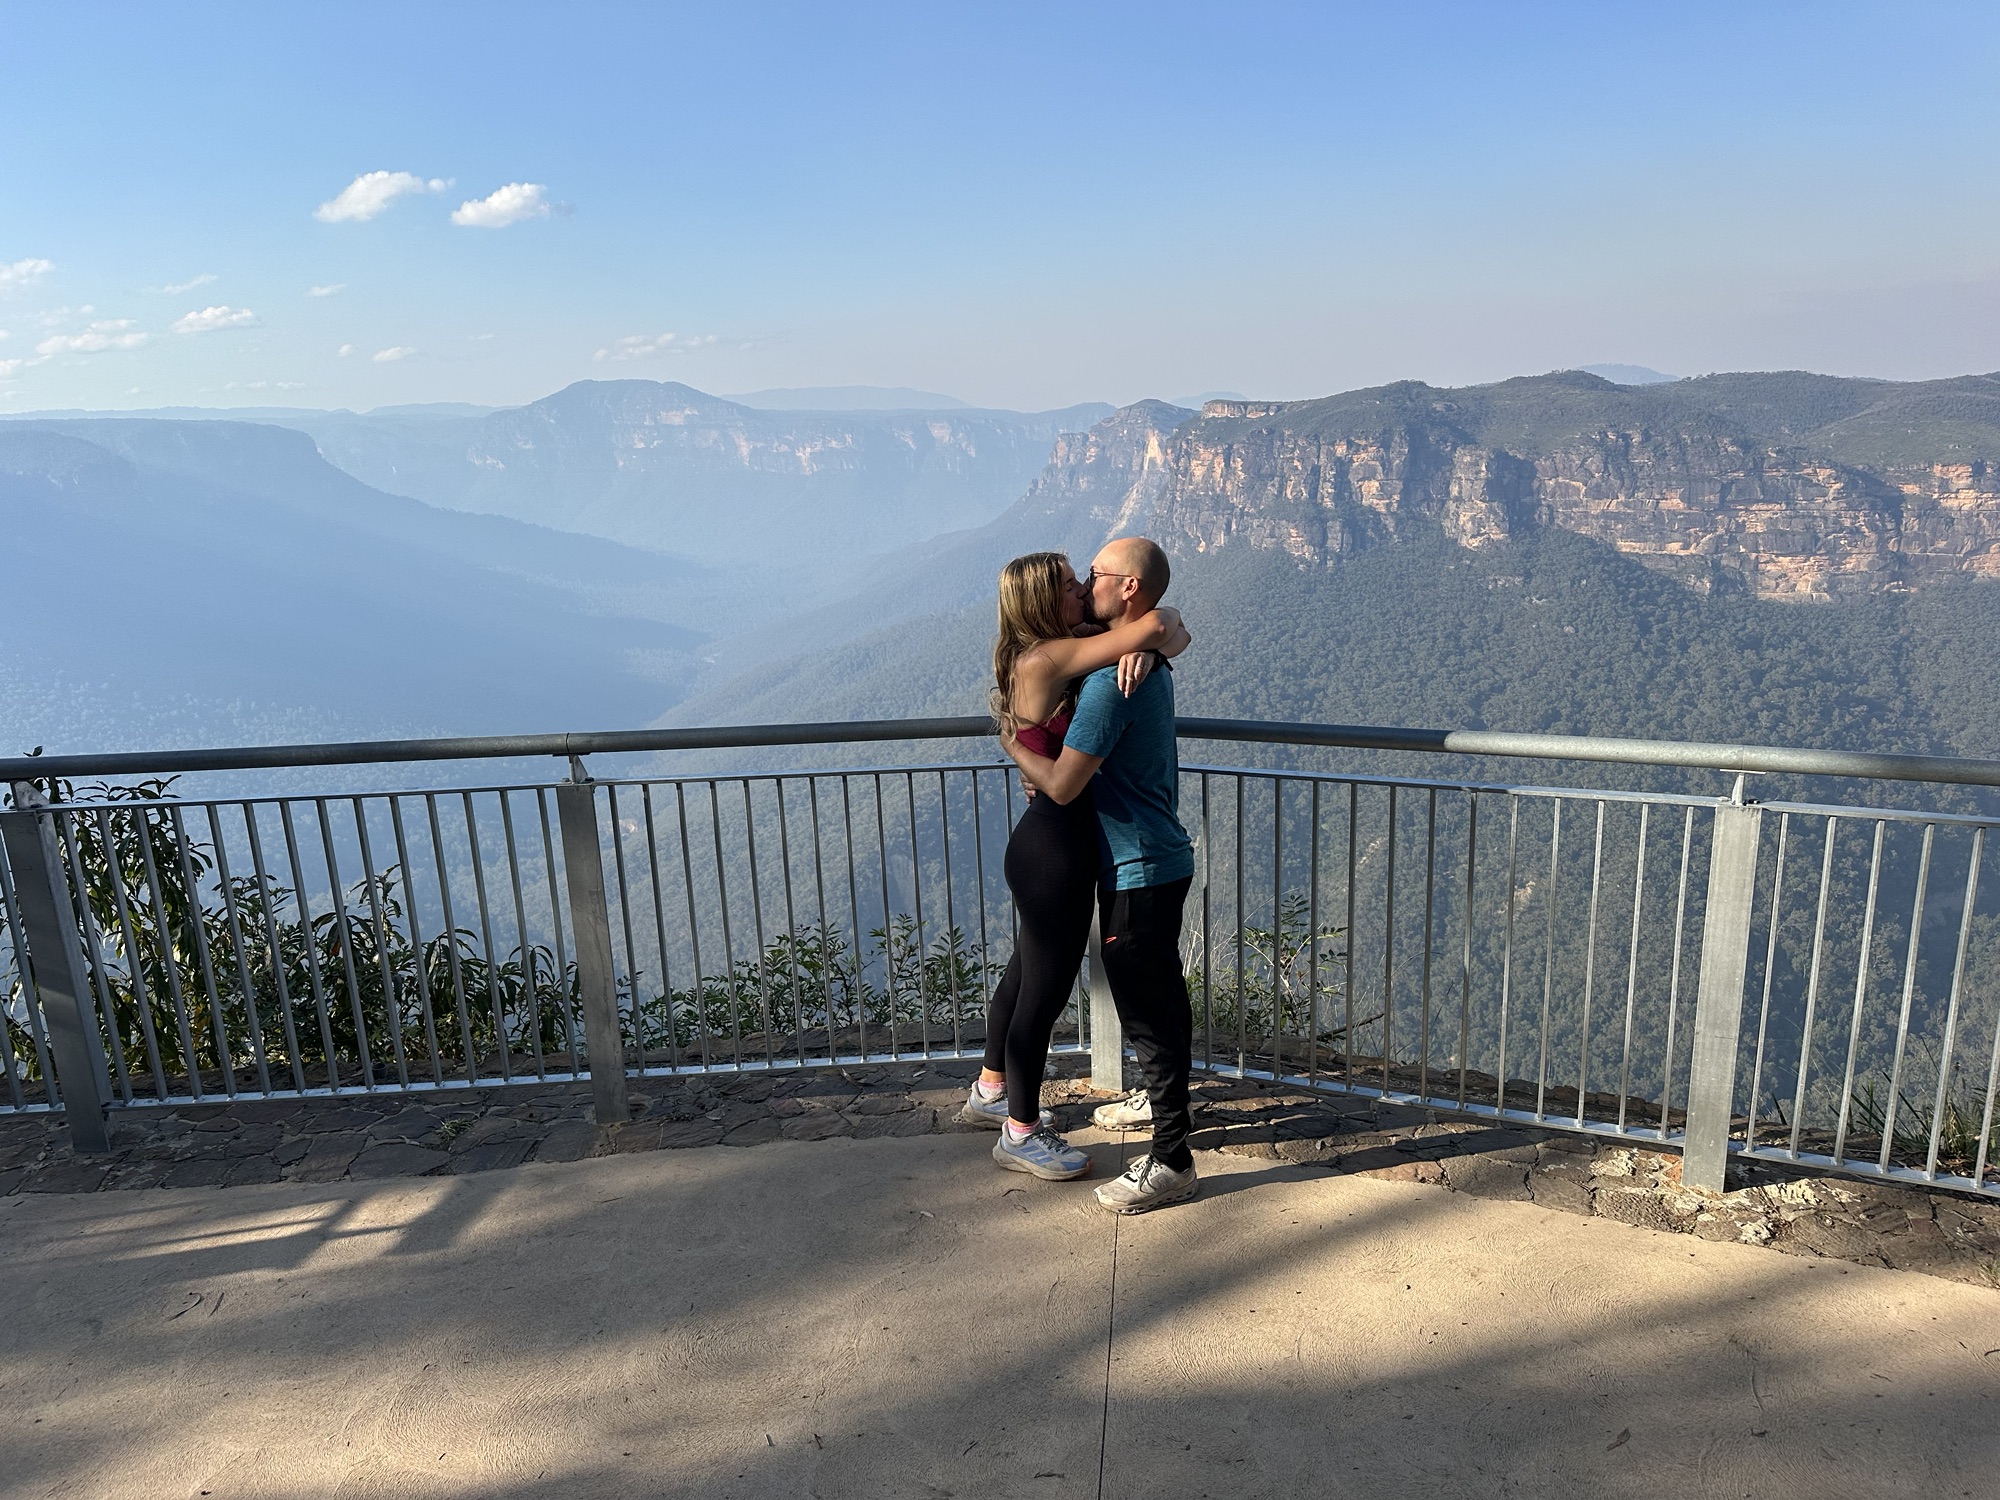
{"x": 1031, "y": 612}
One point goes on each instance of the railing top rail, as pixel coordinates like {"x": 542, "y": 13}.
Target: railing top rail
{"x": 1685, "y": 754}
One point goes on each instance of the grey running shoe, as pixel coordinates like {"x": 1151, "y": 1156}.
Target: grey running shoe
{"x": 1147, "y": 1184}
{"x": 1042, "y": 1154}
{"x": 991, "y": 1114}
{"x": 1133, "y": 1112}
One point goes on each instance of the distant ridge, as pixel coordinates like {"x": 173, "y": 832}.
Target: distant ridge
{"x": 849, "y": 398}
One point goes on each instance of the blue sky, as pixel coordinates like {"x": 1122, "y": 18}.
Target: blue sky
{"x": 1022, "y": 205}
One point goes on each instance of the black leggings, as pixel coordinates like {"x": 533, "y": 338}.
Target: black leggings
{"x": 1052, "y": 871}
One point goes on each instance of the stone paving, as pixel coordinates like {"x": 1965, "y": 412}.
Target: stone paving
{"x": 320, "y": 1140}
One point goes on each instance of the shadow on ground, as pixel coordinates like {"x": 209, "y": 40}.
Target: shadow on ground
{"x": 894, "y": 1317}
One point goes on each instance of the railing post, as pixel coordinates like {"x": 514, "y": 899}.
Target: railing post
{"x": 1718, "y": 1011}
{"x": 590, "y": 933}
{"x": 1107, "y": 1038}
{"x": 55, "y": 958}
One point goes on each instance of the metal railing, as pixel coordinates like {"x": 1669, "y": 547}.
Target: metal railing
{"x": 1786, "y": 981}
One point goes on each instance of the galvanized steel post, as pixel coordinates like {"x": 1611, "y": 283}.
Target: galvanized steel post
{"x": 55, "y": 957}
{"x": 590, "y": 927}
{"x": 1718, "y": 1013}
{"x": 1107, "y": 1038}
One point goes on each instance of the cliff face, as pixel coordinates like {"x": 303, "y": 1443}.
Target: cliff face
{"x": 1675, "y": 476}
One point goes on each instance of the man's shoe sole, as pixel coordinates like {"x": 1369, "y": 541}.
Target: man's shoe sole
{"x": 1180, "y": 1195}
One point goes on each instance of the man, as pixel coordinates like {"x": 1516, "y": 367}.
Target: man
{"x": 1128, "y": 745}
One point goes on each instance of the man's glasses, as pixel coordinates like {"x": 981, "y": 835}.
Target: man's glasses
{"x": 1091, "y": 576}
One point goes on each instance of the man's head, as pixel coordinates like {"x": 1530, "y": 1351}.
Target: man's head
{"x": 1126, "y": 578}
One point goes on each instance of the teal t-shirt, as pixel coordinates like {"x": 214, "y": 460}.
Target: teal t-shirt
{"x": 1138, "y": 789}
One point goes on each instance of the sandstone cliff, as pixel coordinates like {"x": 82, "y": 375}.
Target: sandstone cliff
{"x": 1789, "y": 485}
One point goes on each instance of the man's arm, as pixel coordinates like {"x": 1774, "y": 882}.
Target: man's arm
{"x": 1060, "y": 779}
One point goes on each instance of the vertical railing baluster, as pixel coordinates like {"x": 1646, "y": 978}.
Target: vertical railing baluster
{"x": 757, "y": 923}
{"x": 419, "y": 956}
{"x": 950, "y": 917}
{"x": 266, "y": 889}
{"x": 530, "y": 974}
{"x": 1549, "y": 958}
{"x": 253, "y": 1028}
{"x": 1465, "y": 952}
{"x": 625, "y": 925}
{"x": 1860, "y": 995}
{"x": 309, "y": 936}
{"x": 1312, "y": 939}
{"x": 225, "y": 1056}
{"x": 1389, "y": 947}
{"x": 1812, "y": 988}
{"x": 1590, "y": 963}
{"x": 701, "y": 1019}
{"x": 1242, "y": 993}
{"x": 450, "y": 939}
{"x": 854, "y": 911}
{"x": 1280, "y": 964}
{"x": 660, "y": 930}
{"x": 556, "y": 932}
{"x": 888, "y": 918}
{"x": 1507, "y": 949}
{"x": 979, "y": 871}
{"x": 917, "y": 904}
{"x": 1674, "y": 980}
{"x": 69, "y": 839}
{"x": 728, "y": 935}
{"x": 1909, "y": 997}
{"x": 1632, "y": 967}
{"x": 1424, "y": 980}
{"x": 1770, "y": 969}
{"x": 135, "y": 961}
{"x": 376, "y": 886}
{"x": 827, "y": 972}
{"x": 1347, "y": 926}
{"x": 791, "y": 922}
{"x": 1951, "y": 1011}
{"x": 502, "y": 1045}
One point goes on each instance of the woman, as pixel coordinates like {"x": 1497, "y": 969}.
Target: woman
{"x": 1043, "y": 650}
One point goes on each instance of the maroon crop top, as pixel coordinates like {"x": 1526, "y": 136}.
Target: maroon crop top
{"x": 1045, "y": 738}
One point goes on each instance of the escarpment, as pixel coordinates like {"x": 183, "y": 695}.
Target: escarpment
{"x": 1790, "y": 486}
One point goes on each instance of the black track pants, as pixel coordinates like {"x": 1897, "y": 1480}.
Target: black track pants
{"x": 1052, "y": 871}
{"x": 1142, "y": 959}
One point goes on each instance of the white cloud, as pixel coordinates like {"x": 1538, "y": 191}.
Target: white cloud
{"x": 330, "y": 289}
{"x": 19, "y": 273}
{"x": 115, "y": 333}
{"x": 647, "y": 345}
{"x": 371, "y": 193}
{"x": 344, "y": 350}
{"x": 503, "y": 206}
{"x": 393, "y": 355}
{"x": 9, "y": 368}
{"x": 178, "y": 287}
{"x": 211, "y": 318}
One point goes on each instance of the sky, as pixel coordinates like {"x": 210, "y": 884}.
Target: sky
{"x": 1018, "y": 204}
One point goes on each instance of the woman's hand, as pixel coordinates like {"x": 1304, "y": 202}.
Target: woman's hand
{"x": 1134, "y": 668}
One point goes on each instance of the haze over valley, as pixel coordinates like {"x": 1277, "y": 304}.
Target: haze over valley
{"x": 1769, "y": 557}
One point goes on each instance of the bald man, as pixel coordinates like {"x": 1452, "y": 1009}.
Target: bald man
{"x": 1125, "y": 749}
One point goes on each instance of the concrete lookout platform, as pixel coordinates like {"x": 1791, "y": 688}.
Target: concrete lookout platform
{"x": 895, "y": 1317}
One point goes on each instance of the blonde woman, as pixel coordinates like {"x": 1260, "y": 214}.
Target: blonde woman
{"x": 1052, "y": 856}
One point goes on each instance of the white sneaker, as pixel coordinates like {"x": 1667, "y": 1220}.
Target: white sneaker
{"x": 1148, "y": 1184}
{"x": 1133, "y": 1112}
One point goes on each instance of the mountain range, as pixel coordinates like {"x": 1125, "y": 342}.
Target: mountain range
{"x": 1811, "y": 553}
